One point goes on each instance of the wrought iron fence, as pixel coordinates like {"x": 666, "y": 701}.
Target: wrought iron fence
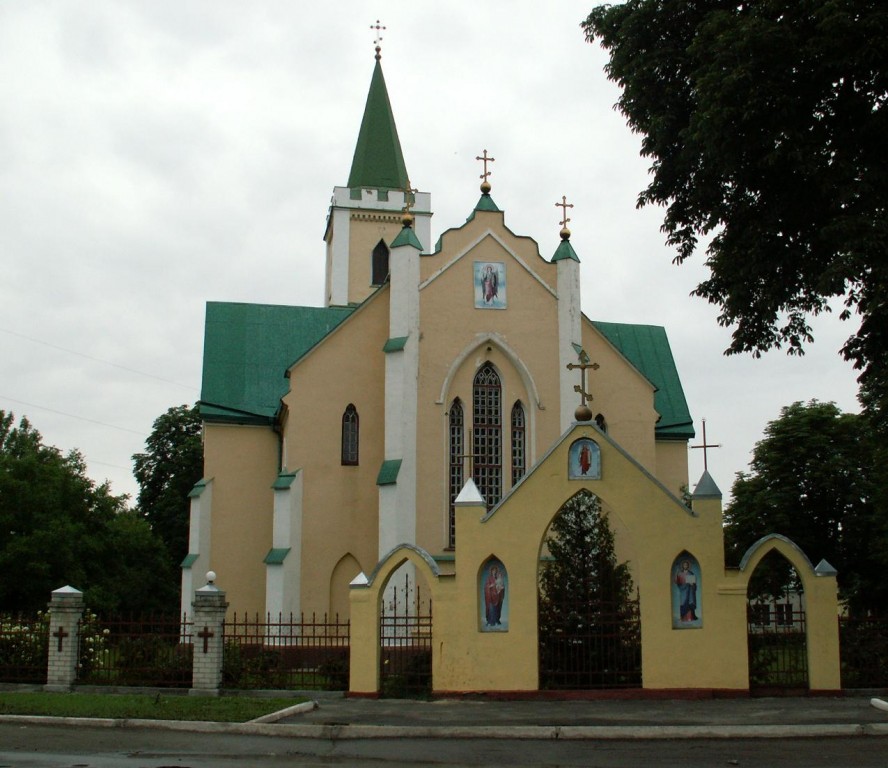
{"x": 24, "y": 642}
{"x": 585, "y": 646}
{"x": 405, "y": 636}
{"x": 287, "y": 653}
{"x": 778, "y": 649}
{"x": 864, "y": 651}
{"x": 152, "y": 651}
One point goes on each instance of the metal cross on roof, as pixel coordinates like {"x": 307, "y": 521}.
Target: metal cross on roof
{"x": 706, "y": 446}
{"x": 409, "y": 199}
{"x": 564, "y": 205}
{"x": 378, "y": 27}
{"x": 485, "y": 159}
{"x": 583, "y": 412}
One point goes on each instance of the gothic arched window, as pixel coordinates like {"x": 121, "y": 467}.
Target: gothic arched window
{"x": 487, "y": 434}
{"x": 455, "y": 423}
{"x": 350, "y": 436}
{"x": 379, "y": 264}
{"x": 519, "y": 442}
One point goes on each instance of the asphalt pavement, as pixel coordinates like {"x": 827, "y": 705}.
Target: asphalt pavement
{"x": 338, "y": 717}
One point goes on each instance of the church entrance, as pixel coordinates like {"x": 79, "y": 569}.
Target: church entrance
{"x": 589, "y": 620}
{"x": 405, "y": 636}
{"x": 777, "y": 628}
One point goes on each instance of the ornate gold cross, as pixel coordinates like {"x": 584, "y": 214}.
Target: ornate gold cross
{"x": 583, "y": 412}
{"x": 564, "y": 205}
{"x": 485, "y": 159}
{"x": 409, "y": 199}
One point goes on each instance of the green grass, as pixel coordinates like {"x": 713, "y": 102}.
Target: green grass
{"x": 226, "y": 709}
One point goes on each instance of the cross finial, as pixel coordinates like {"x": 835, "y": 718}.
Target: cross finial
{"x": 409, "y": 202}
{"x": 378, "y": 27}
{"x": 583, "y": 412}
{"x": 564, "y": 205}
{"x": 705, "y": 446}
{"x": 485, "y": 184}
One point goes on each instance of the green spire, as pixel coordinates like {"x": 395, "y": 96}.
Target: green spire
{"x": 378, "y": 161}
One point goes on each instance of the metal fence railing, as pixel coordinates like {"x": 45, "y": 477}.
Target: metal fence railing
{"x": 864, "y": 651}
{"x": 151, "y": 651}
{"x": 287, "y": 652}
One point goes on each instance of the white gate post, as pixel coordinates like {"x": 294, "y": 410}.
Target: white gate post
{"x": 65, "y": 611}
{"x": 207, "y": 642}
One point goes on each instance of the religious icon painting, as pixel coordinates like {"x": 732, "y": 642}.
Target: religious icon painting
{"x": 686, "y": 592}
{"x": 584, "y": 460}
{"x": 494, "y": 597}
{"x": 490, "y": 284}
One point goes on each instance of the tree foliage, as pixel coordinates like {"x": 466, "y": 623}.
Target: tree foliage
{"x": 58, "y": 527}
{"x": 811, "y": 480}
{"x": 585, "y": 605}
{"x": 166, "y": 473}
{"x": 765, "y": 124}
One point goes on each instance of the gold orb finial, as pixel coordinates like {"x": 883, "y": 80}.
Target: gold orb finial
{"x": 583, "y": 413}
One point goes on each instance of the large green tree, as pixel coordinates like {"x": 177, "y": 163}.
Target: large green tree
{"x": 58, "y": 527}
{"x": 765, "y": 124}
{"x": 166, "y": 473}
{"x": 812, "y": 479}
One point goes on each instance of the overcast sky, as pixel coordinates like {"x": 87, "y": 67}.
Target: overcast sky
{"x": 157, "y": 155}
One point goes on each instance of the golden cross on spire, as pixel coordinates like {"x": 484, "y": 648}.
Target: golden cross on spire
{"x": 485, "y": 184}
{"x": 583, "y": 412}
{"x": 564, "y": 205}
{"x": 409, "y": 199}
{"x": 409, "y": 202}
{"x": 378, "y": 27}
{"x": 705, "y": 446}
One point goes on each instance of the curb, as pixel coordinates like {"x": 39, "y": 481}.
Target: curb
{"x": 519, "y": 732}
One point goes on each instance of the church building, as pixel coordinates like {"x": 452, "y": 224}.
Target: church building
{"x": 333, "y": 434}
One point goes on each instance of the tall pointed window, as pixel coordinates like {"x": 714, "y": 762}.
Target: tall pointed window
{"x": 487, "y": 434}
{"x": 455, "y": 425}
{"x": 519, "y": 443}
{"x": 350, "y": 436}
{"x": 380, "y": 264}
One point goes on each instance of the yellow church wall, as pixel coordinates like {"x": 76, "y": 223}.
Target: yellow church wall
{"x": 672, "y": 464}
{"x": 660, "y": 529}
{"x": 242, "y": 461}
{"x": 520, "y": 338}
{"x": 339, "y": 502}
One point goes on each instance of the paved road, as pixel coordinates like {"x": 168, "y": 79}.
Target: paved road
{"x": 39, "y": 746}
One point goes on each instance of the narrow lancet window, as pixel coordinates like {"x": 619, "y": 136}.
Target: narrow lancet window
{"x": 350, "y": 436}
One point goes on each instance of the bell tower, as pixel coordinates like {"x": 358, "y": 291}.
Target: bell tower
{"x": 365, "y": 216}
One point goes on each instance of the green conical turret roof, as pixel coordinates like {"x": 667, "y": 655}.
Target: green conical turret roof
{"x": 378, "y": 160}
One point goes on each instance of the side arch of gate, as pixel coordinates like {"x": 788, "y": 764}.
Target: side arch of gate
{"x": 366, "y": 600}
{"x": 821, "y": 603}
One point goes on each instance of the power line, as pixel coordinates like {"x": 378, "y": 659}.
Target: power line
{"x": 98, "y": 360}
{"x": 73, "y": 416}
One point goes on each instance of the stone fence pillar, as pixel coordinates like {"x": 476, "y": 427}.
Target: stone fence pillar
{"x": 209, "y": 616}
{"x": 65, "y": 610}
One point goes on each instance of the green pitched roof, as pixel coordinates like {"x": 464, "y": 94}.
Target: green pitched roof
{"x": 248, "y": 349}
{"x": 378, "y": 160}
{"x": 407, "y": 237}
{"x": 647, "y": 348}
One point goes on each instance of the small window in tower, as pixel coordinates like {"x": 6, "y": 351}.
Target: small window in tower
{"x": 380, "y": 264}
{"x": 350, "y": 436}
